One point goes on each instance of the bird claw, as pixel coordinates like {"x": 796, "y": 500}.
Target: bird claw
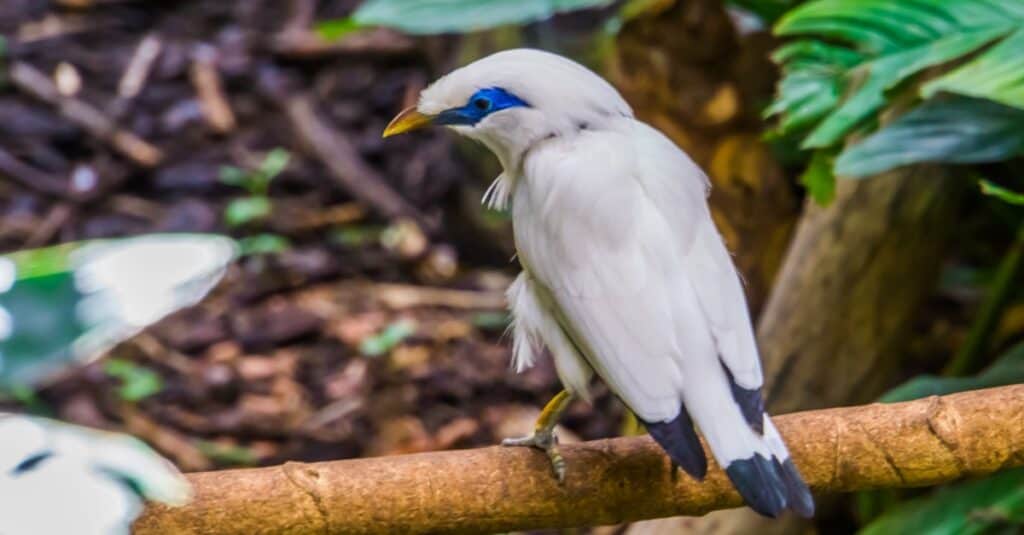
{"x": 548, "y": 443}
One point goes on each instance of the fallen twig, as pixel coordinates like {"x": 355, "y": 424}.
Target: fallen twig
{"x": 346, "y": 165}
{"x": 918, "y": 443}
{"x": 141, "y": 64}
{"x": 31, "y": 177}
{"x": 55, "y": 218}
{"x": 35, "y": 83}
{"x": 399, "y": 296}
{"x": 206, "y": 79}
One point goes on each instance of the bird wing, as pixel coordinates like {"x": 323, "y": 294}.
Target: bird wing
{"x": 614, "y": 229}
{"x": 678, "y": 188}
{"x": 602, "y": 259}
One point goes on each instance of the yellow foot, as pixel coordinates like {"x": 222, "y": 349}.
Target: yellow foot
{"x": 546, "y": 441}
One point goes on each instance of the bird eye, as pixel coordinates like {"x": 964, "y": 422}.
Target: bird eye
{"x": 482, "y": 103}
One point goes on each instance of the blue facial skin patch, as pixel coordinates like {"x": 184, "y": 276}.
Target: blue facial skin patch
{"x": 483, "y": 103}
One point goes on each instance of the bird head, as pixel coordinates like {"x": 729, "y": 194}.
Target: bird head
{"x": 513, "y": 99}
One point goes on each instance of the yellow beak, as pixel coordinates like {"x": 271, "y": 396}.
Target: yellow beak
{"x": 409, "y": 119}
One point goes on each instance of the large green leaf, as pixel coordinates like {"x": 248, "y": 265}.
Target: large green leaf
{"x": 868, "y": 95}
{"x": 444, "y": 16}
{"x": 996, "y": 75}
{"x": 811, "y": 87}
{"x": 70, "y": 303}
{"x": 952, "y": 130}
{"x": 894, "y": 41}
{"x": 991, "y": 505}
{"x": 1008, "y": 370}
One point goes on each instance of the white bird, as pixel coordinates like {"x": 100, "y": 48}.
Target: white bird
{"x": 624, "y": 273}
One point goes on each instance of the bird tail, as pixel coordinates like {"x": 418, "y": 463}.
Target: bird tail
{"x": 743, "y": 440}
{"x": 768, "y": 480}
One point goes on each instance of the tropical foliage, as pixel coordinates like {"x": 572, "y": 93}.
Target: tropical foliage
{"x": 872, "y": 85}
{"x": 949, "y": 71}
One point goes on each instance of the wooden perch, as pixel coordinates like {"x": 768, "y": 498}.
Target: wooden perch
{"x": 918, "y": 443}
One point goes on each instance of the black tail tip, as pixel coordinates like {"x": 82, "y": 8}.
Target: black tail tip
{"x": 770, "y": 487}
{"x": 798, "y": 496}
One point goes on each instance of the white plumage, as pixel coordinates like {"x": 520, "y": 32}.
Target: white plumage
{"x": 624, "y": 273}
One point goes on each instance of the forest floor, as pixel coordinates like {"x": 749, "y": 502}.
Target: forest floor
{"x": 374, "y": 325}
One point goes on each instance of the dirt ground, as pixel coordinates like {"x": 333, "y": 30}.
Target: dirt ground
{"x": 377, "y": 329}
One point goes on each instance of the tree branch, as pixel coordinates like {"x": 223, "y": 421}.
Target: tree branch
{"x": 918, "y": 443}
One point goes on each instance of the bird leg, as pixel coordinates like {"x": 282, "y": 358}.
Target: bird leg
{"x": 543, "y": 436}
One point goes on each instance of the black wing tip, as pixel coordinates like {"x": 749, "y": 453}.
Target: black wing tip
{"x": 750, "y": 400}
{"x": 770, "y": 487}
{"x": 679, "y": 439}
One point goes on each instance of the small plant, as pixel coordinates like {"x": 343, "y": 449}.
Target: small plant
{"x": 256, "y": 206}
{"x": 263, "y": 244}
{"x": 137, "y": 382}
{"x": 389, "y": 338}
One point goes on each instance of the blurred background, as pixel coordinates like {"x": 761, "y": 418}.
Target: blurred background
{"x": 364, "y": 313}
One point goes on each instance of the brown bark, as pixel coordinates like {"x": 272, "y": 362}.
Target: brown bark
{"x": 856, "y": 274}
{"x": 923, "y": 442}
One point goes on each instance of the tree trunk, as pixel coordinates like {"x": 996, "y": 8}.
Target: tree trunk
{"x": 853, "y": 281}
{"x": 923, "y": 442}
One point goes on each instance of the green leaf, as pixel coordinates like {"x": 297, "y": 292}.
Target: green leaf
{"x": 446, "y": 16}
{"x": 868, "y": 96}
{"x": 71, "y": 303}
{"x": 882, "y": 27}
{"x": 245, "y": 210}
{"x": 263, "y": 244}
{"x": 257, "y": 182}
{"x": 953, "y": 130}
{"x": 137, "y": 382}
{"x": 812, "y": 85}
{"x": 997, "y": 74}
{"x": 818, "y": 177}
{"x": 969, "y": 508}
{"x": 1007, "y": 370}
{"x": 855, "y": 51}
{"x": 122, "y": 471}
{"x": 1001, "y": 193}
{"x": 273, "y": 163}
{"x": 337, "y": 28}
{"x": 386, "y": 340}
{"x": 234, "y": 176}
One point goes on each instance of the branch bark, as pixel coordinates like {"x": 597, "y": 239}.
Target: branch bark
{"x": 918, "y": 443}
